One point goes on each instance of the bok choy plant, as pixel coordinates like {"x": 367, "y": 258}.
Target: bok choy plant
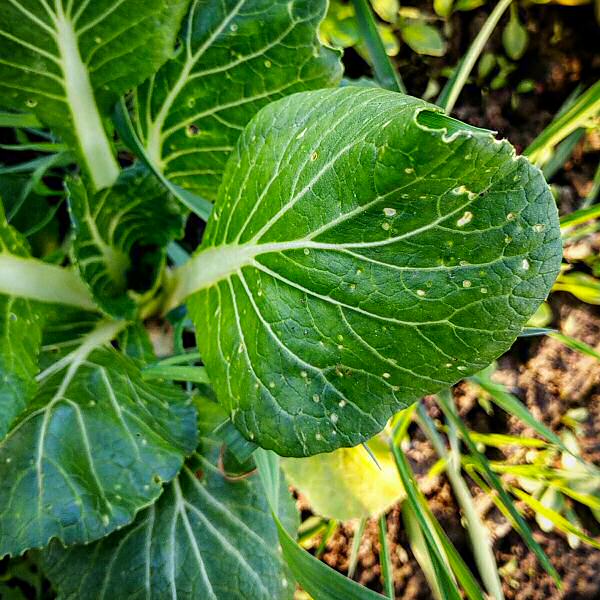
{"x": 362, "y": 249}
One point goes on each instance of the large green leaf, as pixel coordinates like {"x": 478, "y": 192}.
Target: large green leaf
{"x": 121, "y": 234}
{"x": 68, "y": 60}
{"x": 364, "y": 250}
{"x": 237, "y": 56}
{"x": 93, "y": 448}
{"x": 20, "y": 338}
{"x": 207, "y": 538}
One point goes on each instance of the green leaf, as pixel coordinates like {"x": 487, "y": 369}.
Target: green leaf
{"x": 443, "y": 8}
{"x": 423, "y": 38}
{"x": 237, "y": 56}
{"x": 515, "y": 37}
{"x": 135, "y": 343}
{"x": 386, "y": 9}
{"x": 93, "y": 447}
{"x": 121, "y": 235}
{"x": 357, "y": 259}
{"x": 68, "y": 61}
{"x": 347, "y": 484}
{"x": 20, "y": 338}
{"x": 206, "y": 537}
{"x": 8, "y": 119}
{"x": 122, "y": 119}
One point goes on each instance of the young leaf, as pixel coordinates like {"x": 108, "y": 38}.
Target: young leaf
{"x": 20, "y": 336}
{"x": 64, "y": 61}
{"x": 134, "y": 217}
{"x": 93, "y": 447}
{"x": 206, "y": 537}
{"x": 423, "y": 38}
{"x": 515, "y": 36}
{"x": 237, "y": 56}
{"x": 357, "y": 259}
{"x": 347, "y": 484}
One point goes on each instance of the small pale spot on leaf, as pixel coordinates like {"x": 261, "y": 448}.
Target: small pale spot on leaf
{"x": 465, "y": 219}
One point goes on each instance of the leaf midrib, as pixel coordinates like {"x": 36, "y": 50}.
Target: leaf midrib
{"x": 87, "y": 123}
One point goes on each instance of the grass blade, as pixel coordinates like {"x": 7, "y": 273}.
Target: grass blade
{"x": 562, "y": 154}
{"x": 386, "y": 74}
{"x": 331, "y": 528}
{"x": 582, "y": 215}
{"x": 444, "y": 400}
{"x": 583, "y": 286}
{"x": 535, "y": 331}
{"x": 479, "y": 536}
{"x": 443, "y": 575}
{"x": 577, "y": 115}
{"x": 454, "y": 85}
{"x": 452, "y": 563}
{"x": 385, "y": 560}
{"x": 317, "y": 579}
{"x": 556, "y": 518}
{"x": 577, "y": 345}
{"x": 358, "y": 533}
{"x": 593, "y": 193}
{"x": 420, "y": 549}
{"x": 512, "y": 405}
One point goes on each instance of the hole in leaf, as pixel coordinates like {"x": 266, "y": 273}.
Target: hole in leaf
{"x": 433, "y": 120}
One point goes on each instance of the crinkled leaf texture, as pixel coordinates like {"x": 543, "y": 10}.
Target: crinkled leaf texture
{"x": 236, "y": 57}
{"x": 205, "y": 538}
{"x": 69, "y": 60}
{"x": 20, "y": 338}
{"x": 93, "y": 447}
{"x": 347, "y": 483}
{"x": 364, "y": 250}
{"x": 120, "y": 237}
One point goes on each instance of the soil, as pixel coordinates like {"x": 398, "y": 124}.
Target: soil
{"x": 564, "y": 51}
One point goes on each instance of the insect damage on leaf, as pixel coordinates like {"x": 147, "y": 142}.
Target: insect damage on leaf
{"x": 359, "y": 257}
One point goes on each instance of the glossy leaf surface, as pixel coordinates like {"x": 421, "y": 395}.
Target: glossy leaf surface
{"x": 364, "y": 250}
